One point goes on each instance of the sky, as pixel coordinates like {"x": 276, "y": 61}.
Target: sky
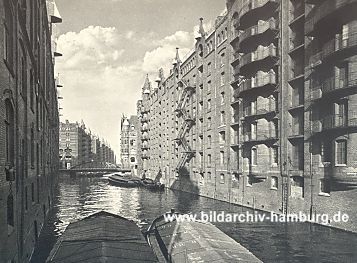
{"x": 109, "y": 46}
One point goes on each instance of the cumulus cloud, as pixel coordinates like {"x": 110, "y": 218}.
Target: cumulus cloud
{"x": 129, "y": 34}
{"x": 208, "y": 26}
{"x": 165, "y": 49}
{"x": 98, "y": 86}
{"x": 90, "y": 47}
{"x": 179, "y": 38}
{"x": 102, "y": 80}
{"x": 164, "y": 53}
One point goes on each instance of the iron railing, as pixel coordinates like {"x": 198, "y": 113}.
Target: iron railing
{"x": 254, "y": 4}
{"x": 261, "y": 79}
{"x": 260, "y": 109}
{"x": 252, "y": 137}
{"x": 338, "y": 121}
{"x": 339, "y": 42}
{"x": 260, "y": 28}
{"x": 260, "y": 53}
{"x": 326, "y": 8}
{"x": 333, "y": 83}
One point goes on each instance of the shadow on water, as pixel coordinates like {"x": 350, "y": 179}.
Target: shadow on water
{"x": 77, "y": 198}
{"x": 185, "y": 191}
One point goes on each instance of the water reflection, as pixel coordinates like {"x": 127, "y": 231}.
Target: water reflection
{"x": 271, "y": 242}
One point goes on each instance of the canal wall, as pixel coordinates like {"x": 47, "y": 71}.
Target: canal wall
{"x": 256, "y": 197}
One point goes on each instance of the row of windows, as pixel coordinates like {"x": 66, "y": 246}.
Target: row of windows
{"x": 340, "y": 152}
{"x": 298, "y": 154}
{"x": 191, "y": 63}
{"x": 34, "y": 197}
{"x": 10, "y": 133}
{"x": 253, "y": 155}
{"x": 221, "y": 36}
{"x": 274, "y": 155}
{"x": 188, "y": 66}
{"x": 296, "y": 184}
{"x": 64, "y": 128}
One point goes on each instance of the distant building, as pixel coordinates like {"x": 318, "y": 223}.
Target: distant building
{"x": 262, "y": 112}
{"x": 128, "y": 143}
{"x": 78, "y": 147}
{"x": 69, "y": 144}
{"x": 29, "y": 122}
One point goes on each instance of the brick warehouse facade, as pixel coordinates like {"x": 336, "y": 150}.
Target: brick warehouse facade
{"x": 79, "y": 147}
{"x": 29, "y": 124}
{"x": 262, "y": 112}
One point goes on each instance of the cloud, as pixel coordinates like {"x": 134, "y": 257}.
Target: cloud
{"x": 223, "y": 12}
{"x": 91, "y": 47}
{"x": 164, "y": 49}
{"x": 102, "y": 73}
{"x": 98, "y": 85}
{"x": 164, "y": 53}
{"x": 129, "y": 34}
{"x": 208, "y": 26}
{"x": 179, "y": 38}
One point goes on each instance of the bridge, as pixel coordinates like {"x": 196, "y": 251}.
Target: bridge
{"x": 92, "y": 168}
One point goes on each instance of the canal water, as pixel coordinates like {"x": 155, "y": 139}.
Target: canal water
{"x": 79, "y": 197}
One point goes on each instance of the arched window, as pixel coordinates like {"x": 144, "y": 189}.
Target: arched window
{"x": 221, "y": 178}
{"x": 200, "y": 48}
{"x": 10, "y": 210}
{"x": 9, "y": 133}
{"x": 132, "y": 159}
{"x": 23, "y": 72}
{"x": 254, "y": 156}
{"x": 32, "y": 147}
{"x": 235, "y": 24}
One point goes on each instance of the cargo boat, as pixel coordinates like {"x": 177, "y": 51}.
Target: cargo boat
{"x": 187, "y": 241}
{"x": 151, "y": 184}
{"x": 102, "y": 237}
{"x": 124, "y": 180}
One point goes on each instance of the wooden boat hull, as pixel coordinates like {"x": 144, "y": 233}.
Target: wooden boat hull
{"x": 102, "y": 237}
{"x": 122, "y": 183}
{"x": 123, "y": 180}
{"x": 194, "y": 242}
